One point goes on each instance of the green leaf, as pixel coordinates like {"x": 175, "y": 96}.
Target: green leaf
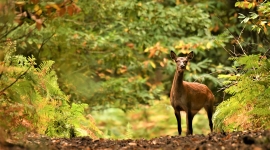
{"x": 241, "y": 16}
{"x": 237, "y": 4}
{"x": 245, "y": 20}
{"x": 254, "y": 16}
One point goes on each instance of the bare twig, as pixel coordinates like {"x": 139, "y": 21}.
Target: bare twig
{"x": 229, "y": 51}
{"x": 227, "y": 86}
{"x": 236, "y": 39}
{"x": 8, "y": 32}
{"x": 266, "y": 52}
{"x": 26, "y": 35}
{"x": 2, "y": 91}
{"x": 44, "y": 42}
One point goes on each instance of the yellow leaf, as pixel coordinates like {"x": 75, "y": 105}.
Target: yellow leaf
{"x": 161, "y": 64}
{"x": 262, "y": 23}
{"x": 146, "y": 50}
{"x": 209, "y": 45}
{"x": 20, "y": 3}
{"x": 53, "y": 5}
{"x": 185, "y": 51}
{"x": 180, "y": 45}
{"x": 126, "y": 29}
{"x": 164, "y": 50}
{"x": 39, "y": 46}
{"x": 153, "y": 64}
{"x": 37, "y": 10}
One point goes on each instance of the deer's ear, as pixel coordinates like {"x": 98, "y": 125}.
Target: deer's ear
{"x": 190, "y": 55}
{"x": 173, "y": 55}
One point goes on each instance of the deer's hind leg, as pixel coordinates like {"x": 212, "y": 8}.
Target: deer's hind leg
{"x": 209, "y": 110}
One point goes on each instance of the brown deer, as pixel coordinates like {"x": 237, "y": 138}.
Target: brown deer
{"x": 189, "y": 96}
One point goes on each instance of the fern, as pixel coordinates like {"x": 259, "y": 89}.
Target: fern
{"x": 33, "y": 101}
{"x": 250, "y": 96}
{"x": 129, "y": 132}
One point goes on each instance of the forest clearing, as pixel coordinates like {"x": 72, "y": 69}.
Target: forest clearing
{"x": 134, "y": 74}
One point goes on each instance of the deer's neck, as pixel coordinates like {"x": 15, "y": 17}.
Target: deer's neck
{"x": 178, "y": 81}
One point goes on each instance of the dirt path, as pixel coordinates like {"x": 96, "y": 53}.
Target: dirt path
{"x": 258, "y": 140}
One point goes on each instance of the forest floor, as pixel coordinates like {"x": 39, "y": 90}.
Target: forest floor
{"x": 255, "y": 140}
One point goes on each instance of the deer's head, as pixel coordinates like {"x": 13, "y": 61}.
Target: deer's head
{"x": 181, "y": 62}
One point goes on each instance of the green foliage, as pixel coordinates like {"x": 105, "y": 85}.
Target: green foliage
{"x": 248, "y": 107}
{"x": 115, "y": 43}
{"x": 31, "y": 100}
{"x": 116, "y": 53}
{"x": 258, "y": 19}
{"x": 123, "y": 92}
{"x": 129, "y": 132}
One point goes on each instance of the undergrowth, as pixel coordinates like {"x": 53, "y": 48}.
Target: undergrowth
{"x": 32, "y": 102}
{"x": 248, "y": 108}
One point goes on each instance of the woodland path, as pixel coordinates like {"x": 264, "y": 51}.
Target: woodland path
{"x": 246, "y": 140}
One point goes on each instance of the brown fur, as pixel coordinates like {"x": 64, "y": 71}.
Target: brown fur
{"x": 189, "y": 96}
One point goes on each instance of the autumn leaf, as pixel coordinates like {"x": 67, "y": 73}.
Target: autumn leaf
{"x": 152, "y": 52}
{"x": 162, "y": 64}
{"x": 70, "y": 10}
{"x": 62, "y": 11}
{"x": 130, "y": 45}
{"x": 122, "y": 70}
{"x": 35, "y": 1}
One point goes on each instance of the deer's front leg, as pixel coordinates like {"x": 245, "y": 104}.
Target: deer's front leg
{"x": 178, "y": 118}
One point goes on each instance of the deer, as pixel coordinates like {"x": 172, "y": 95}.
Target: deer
{"x": 189, "y": 96}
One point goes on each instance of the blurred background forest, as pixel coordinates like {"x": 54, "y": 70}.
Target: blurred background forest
{"x": 102, "y": 68}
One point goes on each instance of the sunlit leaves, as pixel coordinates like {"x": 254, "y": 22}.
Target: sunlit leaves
{"x": 156, "y": 50}
{"x": 258, "y": 19}
{"x": 245, "y": 4}
{"x": 36, "y": 11}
